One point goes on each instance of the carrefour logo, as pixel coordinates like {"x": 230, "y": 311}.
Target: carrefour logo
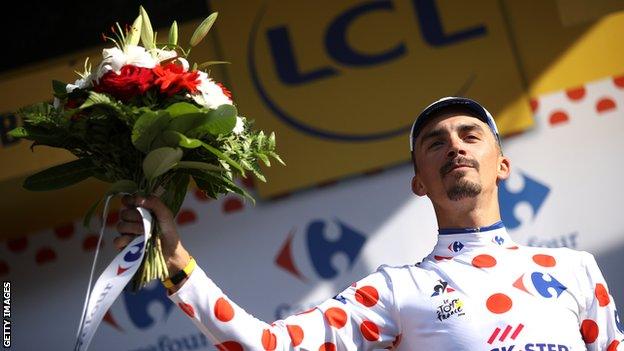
{"x": 533, "y": 193}
{"x": 285, "y": 71}
{"x": 138, "y": 306}
{"x": 321, "y": 250}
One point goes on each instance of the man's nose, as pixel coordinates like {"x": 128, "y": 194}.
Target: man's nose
{"x": 456, "y": 147}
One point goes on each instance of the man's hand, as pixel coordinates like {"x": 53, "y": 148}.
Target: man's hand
{"x": 131, "y": 224}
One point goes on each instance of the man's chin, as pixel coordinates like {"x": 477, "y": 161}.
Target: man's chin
{"x": 464, "y": 189}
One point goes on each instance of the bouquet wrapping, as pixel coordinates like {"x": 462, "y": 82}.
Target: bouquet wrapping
{"x": 147, "y": 121}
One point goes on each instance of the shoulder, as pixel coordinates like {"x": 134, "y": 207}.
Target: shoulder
{"x": 559, "y": 256}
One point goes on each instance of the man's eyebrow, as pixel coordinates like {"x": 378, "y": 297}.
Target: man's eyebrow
{"x": 432, "y": 134}
{"x": 469, "y": 127}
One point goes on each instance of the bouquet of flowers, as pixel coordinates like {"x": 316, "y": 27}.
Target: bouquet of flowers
{"x": 147, "y": 121}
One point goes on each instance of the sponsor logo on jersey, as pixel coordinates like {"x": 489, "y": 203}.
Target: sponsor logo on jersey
{"x": 455, "y": 246}
{"x": 540, "y": 284}
{"x": 498, "y": 240}
{"x": 441, "y": 288}
{"x": 449, "y": 308}
{"x": 510, "y": 332}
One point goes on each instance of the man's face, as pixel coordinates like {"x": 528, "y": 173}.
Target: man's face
{"x": 457, "y": 158}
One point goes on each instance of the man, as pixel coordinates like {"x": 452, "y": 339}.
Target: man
{"x": 476, "y": 290}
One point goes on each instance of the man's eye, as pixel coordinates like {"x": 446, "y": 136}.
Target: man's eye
{"x": 434, "y": 144}
{"x": 472, "y": 137}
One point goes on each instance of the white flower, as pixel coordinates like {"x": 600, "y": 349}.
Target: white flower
{"x": 115, "y": 58}
{"x": 162, "y": 55}
{"x": 210, "y": 94}
{"x": 79, "y": 83}
{"x": 240, "y": 125}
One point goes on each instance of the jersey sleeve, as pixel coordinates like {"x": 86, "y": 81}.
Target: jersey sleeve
{"x": 600, "y": 327}
{"x": 362, "y": 317}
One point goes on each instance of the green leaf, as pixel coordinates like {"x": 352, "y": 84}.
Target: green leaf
{"x": 203, "y": 29}
{"x": 147, "y": 128}
{"x": 19, "y": 132}
{"x": 61, "y": 176}
{"x": 199, "y": 165}
{"x": 122, "y": 186}
{"x": 159, "y": 161}
{"x": 97, "y": 99}
{"x": 264, "y": 159}
{"x": 276, "y": 156}
{"x": 173, "y": 33}
{"x": 134, "y": 34}
{"x": 147, "y": 33}
{"x": 185, "y": 123}
{"x": 173, "y": 138}
{"x": 216, "y": 184}
{"x": 272, "y": 141}
{"x": 59, "y": 88}
{"x": 90, "y": 212}
{"x": 220, "y": 121}
{"x": 176, "y": 192}
{"x": 203, "y": 65}
{"x": 182, "y": 108}
{"x": 224, "y": 157}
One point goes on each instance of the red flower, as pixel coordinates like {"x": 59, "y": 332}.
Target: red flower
{"x": 172, "y": 79}
{"x": 225, "y": 90}
{"x": 130, "y": 82}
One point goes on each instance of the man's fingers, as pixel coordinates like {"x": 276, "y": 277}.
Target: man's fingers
{"x": 122, "y": 241}
{"x": 131, "y": 215}
{"x": 130, "y": 228}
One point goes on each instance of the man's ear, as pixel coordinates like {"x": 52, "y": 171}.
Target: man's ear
{"x": 418, "y": 187}
{"x": 504, "y": 168}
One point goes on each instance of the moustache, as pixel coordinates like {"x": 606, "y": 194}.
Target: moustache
{"x": 458, "y": 161}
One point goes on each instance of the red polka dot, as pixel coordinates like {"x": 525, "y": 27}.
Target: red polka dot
{"x": 65, "y": 231}
{"x": 90, "y": 242}
{"x": 613, "y": 345}
{"x": 269, "y": 340}
{"x": 369, "y": 330}
{"x": 296, "y": 334}
{"x": 232, "y": 204}
{"x": 589, "y": 331}
{"x": 201, "y": 195}
{"x": 558, "y": 117}
{"x": 534, "y": 104}
{"x": 248, "y": 182}
{"x": 4, "y": 268}
{"x": 112, "y": 219}
{"x": 440, "y": 258}
{"x": 185, "y": 217}
{"x": 544, "y": 260}
{"x": 484, "y": 261}
{"x": 328, "y": 346}
{"x": 498, "y": 303}
{"x": 229, "y": 346}
{"x": 602, "y": 295}
{"x": 513, "y": 248}
{"x": 619, "y": 81}
{"x": 17, "y": 245}
{"x": 223, "y": 310}
{"x": 605, "y": 105}
{"x": 336, "y": 317}
{"x": 45, "y": 255}
{"x": 576, "y": 93}
{"x": 367, "y": 296}
{"x": 188, "y": 309}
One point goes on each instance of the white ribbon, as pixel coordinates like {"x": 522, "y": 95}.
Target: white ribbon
{"x": 112, "y": 281}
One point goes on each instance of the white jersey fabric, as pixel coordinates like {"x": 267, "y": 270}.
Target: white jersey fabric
{"x": 475, "y": 291}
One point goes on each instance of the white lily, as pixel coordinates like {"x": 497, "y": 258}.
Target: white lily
{"x": 115, "y": 58}
{"x": 210, "y": 94}
{"x": 240, "y": 125}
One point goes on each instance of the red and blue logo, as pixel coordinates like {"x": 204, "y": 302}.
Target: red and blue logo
{"x": 321, "y": 250}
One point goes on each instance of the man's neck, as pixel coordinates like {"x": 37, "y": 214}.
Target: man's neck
{"x": 468, "y": 213}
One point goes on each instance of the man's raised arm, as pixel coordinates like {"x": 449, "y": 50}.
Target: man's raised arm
{"x": 362, "y": 317}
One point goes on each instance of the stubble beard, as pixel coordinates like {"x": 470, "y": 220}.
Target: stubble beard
{"x": 463, "y": 188}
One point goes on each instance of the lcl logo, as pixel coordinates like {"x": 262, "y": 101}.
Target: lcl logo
{"x": 342, "y": 54}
